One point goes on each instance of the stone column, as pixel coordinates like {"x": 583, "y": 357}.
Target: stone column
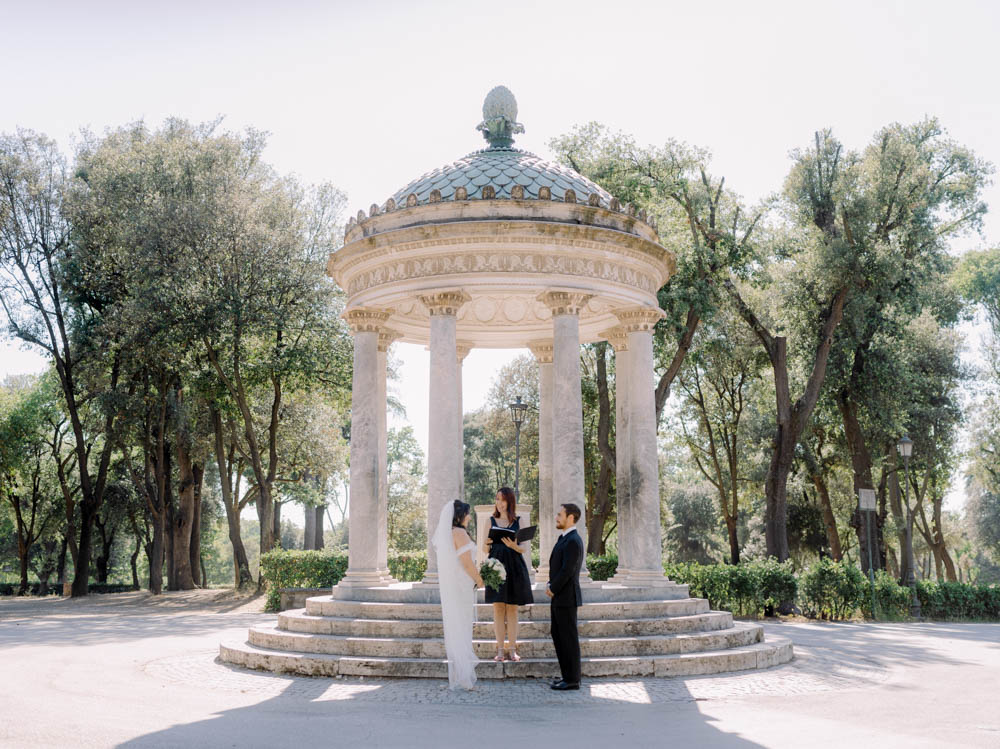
{"x": 463, "y": 348}
{"x": 645, "y": 555}
{"x": 385, "y": 339}
{"x": 567, "y": 404}
{"x": 366, "y": 403}
{"x": 444, "y": 458}
{"x": 546, "y": 510}
{"x": 618, "y": 338}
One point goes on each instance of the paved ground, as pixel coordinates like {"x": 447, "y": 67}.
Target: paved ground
{"x": 132, "y": 671}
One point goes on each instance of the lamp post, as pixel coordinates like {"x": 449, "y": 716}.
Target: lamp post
{"x": 905, "y": 448}
{"x": 517, "y": 412}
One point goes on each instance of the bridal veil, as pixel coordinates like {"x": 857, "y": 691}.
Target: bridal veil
{"x": 457, "y": 604}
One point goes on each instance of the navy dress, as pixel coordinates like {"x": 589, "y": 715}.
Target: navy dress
{"x": 516, "y": 590}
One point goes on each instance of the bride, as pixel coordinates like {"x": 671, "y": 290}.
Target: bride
{"x": 458, "y": 579}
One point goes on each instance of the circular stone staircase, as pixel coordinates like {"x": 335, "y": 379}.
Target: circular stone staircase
{"x": 397, "y": 631}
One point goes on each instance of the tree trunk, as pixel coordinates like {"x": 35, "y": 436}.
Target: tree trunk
{"x": 134, "y": 562}
{"x": 309, "y": 538}
{"x": 861, "y": 463}
{"x": 899, "y": 514}
{"x": 22, "y": 589}
{"x": 734, "y": 544}
{"x": 601, "y": 508}
{"x": 776, "y": 494}
{"x": 156, "y": 557}
{"x": 61, "y": 562}
{"x": 829, "y": 520}
{"x": 81, "y": 571}
{"x": 170, "y": 508}
{"x": 276, "y": 526}
{"x": 241, "y": 565}
{"x": 183, "y": 520}
{"x": 319, "y": 543}
{"x": 198, "y": 474}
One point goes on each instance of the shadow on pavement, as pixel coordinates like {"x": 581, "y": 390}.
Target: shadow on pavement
{"x": 366, "y": 722}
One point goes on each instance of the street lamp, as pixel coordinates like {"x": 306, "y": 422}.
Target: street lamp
{"x": 905, "y": 448}
{"x": 517, "y": 412}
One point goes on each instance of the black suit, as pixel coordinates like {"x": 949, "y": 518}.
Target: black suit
{"x": 564, "y": 582}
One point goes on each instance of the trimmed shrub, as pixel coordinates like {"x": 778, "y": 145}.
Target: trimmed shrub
{"x": 409, "y": 567}
{"x": 745, "y": 589}
{"x": 602, "y": 567}
{"x": 832, "y": 590}
{"x": 300, "y": 569}
{"x": 892, "y": 600}
{"x": 958, "y": 600}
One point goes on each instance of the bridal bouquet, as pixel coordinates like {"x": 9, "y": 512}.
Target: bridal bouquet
{"x": 493, "y": 573}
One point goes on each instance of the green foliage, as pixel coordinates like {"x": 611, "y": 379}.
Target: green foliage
{"x": 832, "y": 590}
{"x": 958, "y": 600}
{"x": 746, "y": 589}
{"x": 324, "y": 569}
{"x": 892, "y": 600}
{"x": 300, "y": 569}
{"x": 408, "y": 567}
{"x": 602, "y": 567}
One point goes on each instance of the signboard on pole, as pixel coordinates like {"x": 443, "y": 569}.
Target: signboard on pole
{"x": 866, "y": 499}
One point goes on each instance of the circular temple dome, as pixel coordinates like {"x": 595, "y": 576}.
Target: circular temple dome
{"x": 502, "y": 169}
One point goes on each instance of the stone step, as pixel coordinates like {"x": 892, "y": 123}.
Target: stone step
{"x": 327, "y": 606}
{"x": 300, "y": 621}
{"x": 740, "y": 634}
{"x": 593, "y": 592}
{"x": 775, "y": 651}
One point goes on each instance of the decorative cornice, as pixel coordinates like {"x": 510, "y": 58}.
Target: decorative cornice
{"x": 543, "y": 351}
{"x": 617, "y": 337}
{"x": 386, "y": 336}
{"x": 564, "y": 302}
{"x": 636, "y": 319}
{"x": 366, "y": 319}
{"x": 444, "y": 302}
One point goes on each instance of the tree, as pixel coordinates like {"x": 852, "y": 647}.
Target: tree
{"x": 25, "y": 473}
{"x": 715, "y": 382}
{"x": 35, "y": 245}
{"x": 704, "y": 224}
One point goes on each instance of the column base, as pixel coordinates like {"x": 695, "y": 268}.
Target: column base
{"x": 366, "y": 579}
{"x": 643, "y": 578}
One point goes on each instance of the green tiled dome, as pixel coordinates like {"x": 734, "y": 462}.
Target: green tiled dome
{"x": 502, "y": 168}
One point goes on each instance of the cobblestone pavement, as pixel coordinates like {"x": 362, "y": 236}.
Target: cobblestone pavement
{"x": 139, "y": 672}
{"x": 807, "y": 674}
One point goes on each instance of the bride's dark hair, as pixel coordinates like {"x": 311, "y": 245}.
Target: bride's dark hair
{"x": 461, "y": 510}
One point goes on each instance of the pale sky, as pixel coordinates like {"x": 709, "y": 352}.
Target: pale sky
{"x": 370, "y": 95}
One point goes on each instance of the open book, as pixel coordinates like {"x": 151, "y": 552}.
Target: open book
{"x": 525, "y": 534}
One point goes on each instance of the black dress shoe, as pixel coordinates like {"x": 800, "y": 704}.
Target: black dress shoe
{"x": 565, "y": 685}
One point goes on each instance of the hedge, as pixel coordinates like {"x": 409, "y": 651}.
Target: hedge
{"x": 828, "y": 589}
{"x": 323, "y": 569}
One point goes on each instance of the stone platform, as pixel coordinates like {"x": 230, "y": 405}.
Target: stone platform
{"x": 397, "y": 631}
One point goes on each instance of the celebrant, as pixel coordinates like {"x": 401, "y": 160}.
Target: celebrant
{"x": 502, "y": 542}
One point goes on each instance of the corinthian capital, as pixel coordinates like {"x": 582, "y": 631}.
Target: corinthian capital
{"x": 444, "y": 302}
{"x": 543, "y": 351}
{"x": 617, "y": 337}
{"x": 366, "y": 319}
{"x": 633, "y": 319}
{"x": 564, "y": 302}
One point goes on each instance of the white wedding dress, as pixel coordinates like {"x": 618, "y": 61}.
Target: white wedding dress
{"x": 458, "y": 600}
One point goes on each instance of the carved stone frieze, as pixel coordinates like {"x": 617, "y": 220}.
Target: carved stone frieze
{"x": 639, "y": 318}
{"x": 501, "y": 262}
{"x": 564, "y": 302}
{"x": 366, "y": 319}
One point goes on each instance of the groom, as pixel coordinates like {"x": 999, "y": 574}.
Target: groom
{"x": 564, "y": 591}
